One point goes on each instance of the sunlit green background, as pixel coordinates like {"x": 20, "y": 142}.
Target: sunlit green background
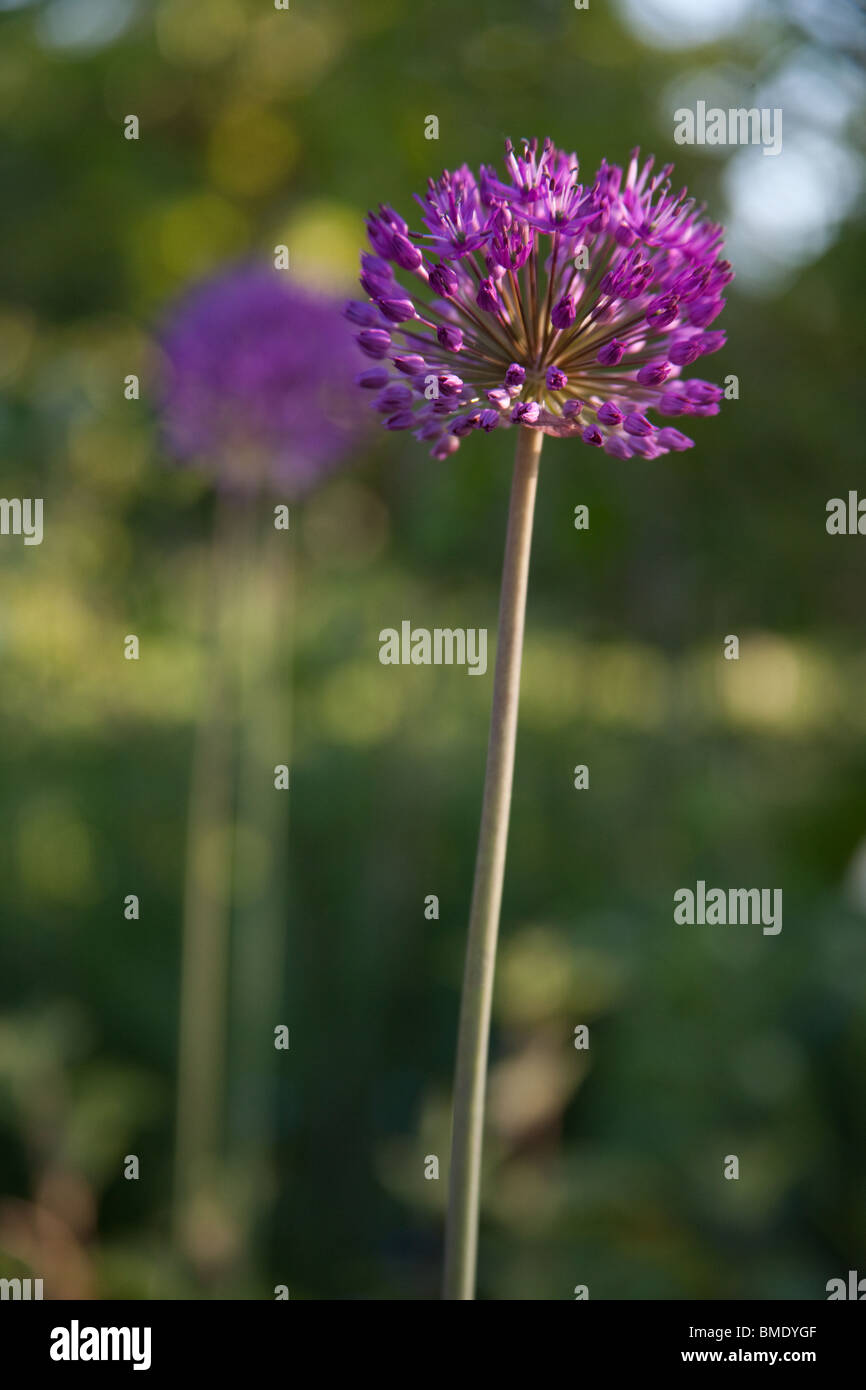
{"x": 603, "y": 1168}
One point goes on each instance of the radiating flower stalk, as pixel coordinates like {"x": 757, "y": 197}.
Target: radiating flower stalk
{"x": 559, "y": 308}
{"x": 256, "y": 392}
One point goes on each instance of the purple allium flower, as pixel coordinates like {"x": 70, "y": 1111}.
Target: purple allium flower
{"x": 562, "y": 307}
{"x": 259, "y": 378}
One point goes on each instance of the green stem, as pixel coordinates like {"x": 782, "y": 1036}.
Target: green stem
{"x": 461, "y": 1236}
{"x": 206, "y": 909}
{"x": 259, "y": 916}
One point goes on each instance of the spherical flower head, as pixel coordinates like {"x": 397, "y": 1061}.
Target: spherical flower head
{"x": 558, "y": 306}
{"x": 258, "y": 381}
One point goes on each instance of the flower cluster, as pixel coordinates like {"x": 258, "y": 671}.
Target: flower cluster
{"x": 542, "y": 302}
{"x": 258, "y": 381}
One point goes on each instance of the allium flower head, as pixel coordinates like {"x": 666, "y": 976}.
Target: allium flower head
{"x": 538, "y": 301}
{"x": 258, "y": 381}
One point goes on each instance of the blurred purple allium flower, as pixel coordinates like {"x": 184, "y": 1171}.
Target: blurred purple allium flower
{"x": 566, "y": 308}
{"x": 258, "y": 381}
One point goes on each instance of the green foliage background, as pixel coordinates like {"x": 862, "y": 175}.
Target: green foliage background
{"x": 604, "y": 1168}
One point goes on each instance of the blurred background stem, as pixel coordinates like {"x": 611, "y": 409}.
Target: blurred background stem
{"x": 207, "y": 895}
{"x": 461, "y": 1237}
{"x": 266, "y": 621}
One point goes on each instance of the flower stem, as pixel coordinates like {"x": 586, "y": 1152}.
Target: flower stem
{"x": 207, "y": 900}
{"x": 461, "y": 1236}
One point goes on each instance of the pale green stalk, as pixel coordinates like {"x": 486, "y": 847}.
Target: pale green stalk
{"x": 207, "y": 905}
{"x": 461, "y": 1237}
{"x": 266, "y": 626}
